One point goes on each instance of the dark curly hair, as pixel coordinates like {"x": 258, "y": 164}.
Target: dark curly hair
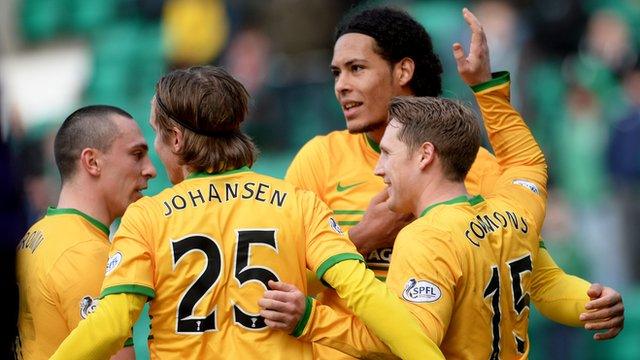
{"x": 398, "y": 35}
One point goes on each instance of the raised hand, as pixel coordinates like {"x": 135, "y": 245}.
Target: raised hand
{"x": 475, "y": 68}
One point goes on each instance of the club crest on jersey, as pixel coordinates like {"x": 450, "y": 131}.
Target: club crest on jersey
{"x": 113, "y": 262}
{"x": 421, "y": 291}
{"x": 334, "y": 225}
{"x": 88, "y": 305}
{"x": 528, "y": 184}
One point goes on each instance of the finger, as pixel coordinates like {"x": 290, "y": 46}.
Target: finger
{"x": 603, "y": 314}
{"x": 603, "y": 302}
{"x": 380, "y": 197}
{"x": 275, "y": 301}
{"x": 604, "y": 325}
{"x": 275, "y": 295}
{"x": 609, "y": 334}
{"x": 276, "y": 325}
{"x": 282, "y": 286}
{"x": 458, "y": 54}
{"x": 474, "y": 23}
{"x": 595, "y": 290}
{"x": 277, "y": 316}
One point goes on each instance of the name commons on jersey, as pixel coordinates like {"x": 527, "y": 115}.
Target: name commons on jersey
{"x": 249, "y": 190}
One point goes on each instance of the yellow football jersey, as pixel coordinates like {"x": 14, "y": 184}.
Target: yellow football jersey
{"x": 204, "y": 250}
{"x": 338, "y": 167}
{"x": 464, "y": 267}
{"x": 60, "y": 267}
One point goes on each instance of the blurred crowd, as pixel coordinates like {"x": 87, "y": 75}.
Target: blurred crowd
{"x": 575, "y": 68}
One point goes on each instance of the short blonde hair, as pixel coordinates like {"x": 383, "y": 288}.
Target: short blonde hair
{"x": 451, "y": 127}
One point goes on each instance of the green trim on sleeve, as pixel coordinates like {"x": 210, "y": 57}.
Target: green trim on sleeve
{"x": 302, "y": 323}
{"x": 334, "y": 260}
{"x": 542, "y": 245}
{"x": 497, "y": 78}
{"x": 51, "y": 211}
{"x": 133, "y": 289}
{"x": 129, "y": 342}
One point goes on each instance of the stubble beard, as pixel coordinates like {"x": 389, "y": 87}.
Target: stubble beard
{"x": 367, "y": 128}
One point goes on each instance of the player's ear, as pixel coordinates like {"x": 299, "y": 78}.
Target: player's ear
{"x": 176, "y": 139}
{"x": 403, "y": 71}
{"x": 426, "y": 154}
{"x": 90, "y": 161}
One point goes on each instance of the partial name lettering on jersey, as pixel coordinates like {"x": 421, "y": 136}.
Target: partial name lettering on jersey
{"x": 88, "y": 305}
{"x": 421, "y": 291}
{"x": 223, "y": 193}
{"x": 31, "y": 241}
{"x": 484, "y": 224}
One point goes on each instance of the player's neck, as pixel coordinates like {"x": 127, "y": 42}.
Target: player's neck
{"x": 75, "y": 196}
{"x": 376, "y": 135}
{"x": 437, "y": 190}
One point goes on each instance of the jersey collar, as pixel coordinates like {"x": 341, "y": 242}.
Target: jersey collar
{"x": 456, "y": 200}
{"x": 371, "y": 143}
{"x": 228, "y": 172}
{"x": 55, "y": 211}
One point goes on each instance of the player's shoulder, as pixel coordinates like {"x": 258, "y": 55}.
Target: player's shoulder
{"x": 485, "y": 156}
{"x": 330, "y": 140}
{"x": 445, "y": 220}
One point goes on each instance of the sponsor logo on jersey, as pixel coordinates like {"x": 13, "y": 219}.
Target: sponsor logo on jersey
{"x": 88, "y": 305}
{"x": 421, "y": 291}
{"x": 113, "y": 262}
{"x": 528, "y": 184}
{"x": 334, "y": 225}
{"x": 341, "y": 188}
{"x": 379, "y": 259}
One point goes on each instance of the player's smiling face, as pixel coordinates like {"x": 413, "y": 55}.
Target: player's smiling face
{"x": 363, "y": 84}
{"x": 127, "y": 167}
{"x": 396, "y": 166}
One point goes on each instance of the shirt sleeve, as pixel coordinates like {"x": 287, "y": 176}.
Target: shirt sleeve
{"x": 374, "y": 304}
{"x": 428, "y": 262}
{"x": 130, "y": 266}
{"x": 556, "y": 294}
{"x": 523, "y": 166}
{"x": 483, "y": 175}
{"x": 327, "y": 245}
{"x": 340, "y": 330}
{"x": 104, "y": 332}
{"x": 306, "y": 171}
